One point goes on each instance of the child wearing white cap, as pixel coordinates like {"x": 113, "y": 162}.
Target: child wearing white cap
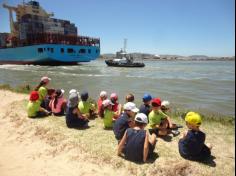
{"x": 102, "y": 97}
{"x": 125, "y": 120}
{"x": 137, "y": 144}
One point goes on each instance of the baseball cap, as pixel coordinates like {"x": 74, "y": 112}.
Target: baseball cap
{"x": 165, "y": 104}
{"x": 73, "y": 91}
{"x": 73, "y": 100}
{"x": 147, "y": 97}
{"x": 45, "y": 79}
{"x": 107, "y": 102}
{"x": 141, "y": 117}
{"x": 193, "y": 118}
{"x": 103, "y": 94}
{"x": 114, "y": 96}
{"x": 34, "y": 96}
{"x": 130, "y": 107}
{"x": 156, "y": 101}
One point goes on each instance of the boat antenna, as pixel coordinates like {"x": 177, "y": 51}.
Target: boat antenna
{"x": 125, "y": 44}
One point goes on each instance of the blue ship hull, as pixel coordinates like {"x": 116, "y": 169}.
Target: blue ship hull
{"x": 49, "y": 54}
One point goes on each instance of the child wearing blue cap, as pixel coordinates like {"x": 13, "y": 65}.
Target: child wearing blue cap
{"x": 146, "y": 107}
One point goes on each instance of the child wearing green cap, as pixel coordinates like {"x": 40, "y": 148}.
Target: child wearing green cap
{"x": 192, "y": 145}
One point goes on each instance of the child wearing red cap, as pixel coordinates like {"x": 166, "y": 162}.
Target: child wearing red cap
{"x": 159, "y": 122}
{"x": 33, "y": 107}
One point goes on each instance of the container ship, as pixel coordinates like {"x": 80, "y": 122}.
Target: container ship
{"x": 38, "y": 38}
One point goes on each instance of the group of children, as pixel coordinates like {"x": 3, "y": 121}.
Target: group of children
{"x": 135, "y": 129}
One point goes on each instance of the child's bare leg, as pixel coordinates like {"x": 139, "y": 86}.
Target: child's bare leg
{"x": 152, "y": 139}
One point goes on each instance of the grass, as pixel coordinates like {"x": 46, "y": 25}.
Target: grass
{"x": 98, "y": 146}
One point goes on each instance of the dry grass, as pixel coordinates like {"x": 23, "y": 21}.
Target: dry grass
{"x": 98, "y": 146}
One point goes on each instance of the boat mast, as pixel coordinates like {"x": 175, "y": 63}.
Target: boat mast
{"x": 125, "y": 44}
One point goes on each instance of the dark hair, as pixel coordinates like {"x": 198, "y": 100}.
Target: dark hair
{"x": 42, "y": 83}
{"x": 84, "y": 96}
{"x": 155, "y": 104}
{"x": 58, "y": 93}
{"x": 129, "y": 97}
{"x": 139, "y": 124}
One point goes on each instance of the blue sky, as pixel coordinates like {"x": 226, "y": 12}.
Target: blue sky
{"x": 182, "y": 27}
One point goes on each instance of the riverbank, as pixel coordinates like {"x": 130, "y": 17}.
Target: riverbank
{"x": 47, "y": 147}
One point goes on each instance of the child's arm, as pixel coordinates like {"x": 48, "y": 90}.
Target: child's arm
{"x": 79, "y": 115}
{"x": 184, "y": 134}
{"x": 168, "y": 119}
{"x": 146, "y": 147}
{"x": 44, "y": 110}
{"x": 121, "y": 144}
{"x": 119, "y": 109}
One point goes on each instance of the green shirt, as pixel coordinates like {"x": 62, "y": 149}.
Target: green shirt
{"x": 108, "y": 116}
{"x": 42, "y": 93}
{"x": 32, "y": 108}
{"x": 155, "y": 118}
{"x": 84, "y": 107}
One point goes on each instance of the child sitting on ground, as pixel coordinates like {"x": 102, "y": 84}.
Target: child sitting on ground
{"x": 137, "y": 144}
{"x": 85, "y": 107}
{"x": 108, "y": 114}
{"x": 165, "y": 108}
{"x": 146, "y": 107}
{"x": 102, "y": 97}
{"x": 33, "y": 107}
{"x": 44, "y": 92}
{"x": 125, "y": 120}
{"x": 159, "y": 122}
{"x": 58, "y": 103}
{"x": 117, "y": 106}
{"x": 74, "y": 119}
{"x": 191, "y": 145}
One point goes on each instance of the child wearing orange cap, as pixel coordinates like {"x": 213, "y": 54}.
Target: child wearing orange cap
{"x": 33, "y": 107}
{"x": 192, "y": 145}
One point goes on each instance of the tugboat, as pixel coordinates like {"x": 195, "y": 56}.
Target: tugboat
{"x": 37, "y": 38}
{"x": 123, "y": 59}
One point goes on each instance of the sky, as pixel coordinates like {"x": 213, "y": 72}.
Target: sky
{"x": 175, "y": 27}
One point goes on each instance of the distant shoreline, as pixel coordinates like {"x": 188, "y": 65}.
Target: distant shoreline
{"x": 150, "y": 57}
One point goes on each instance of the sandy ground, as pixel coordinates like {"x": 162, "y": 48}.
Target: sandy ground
{"x": 46, "y": 147}
{"x": 23, "y": 153}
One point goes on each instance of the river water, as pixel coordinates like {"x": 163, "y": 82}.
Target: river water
{"x": 206, "y": 86}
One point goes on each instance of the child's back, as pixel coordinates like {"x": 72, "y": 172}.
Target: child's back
{"x": 192, "y": 146}
{"x": 134, "y": 144}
